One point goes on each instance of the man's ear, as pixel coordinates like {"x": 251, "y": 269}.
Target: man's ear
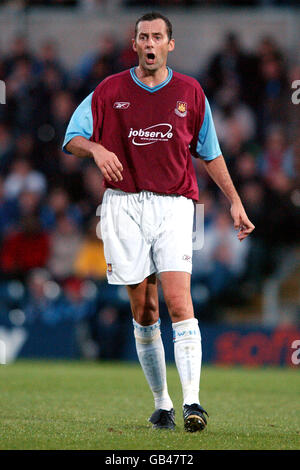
{"x": 171, "y": 45}
{"x": 133, "y": 45}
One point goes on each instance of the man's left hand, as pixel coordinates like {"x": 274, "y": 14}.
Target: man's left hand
{"x": 241, "y": 221}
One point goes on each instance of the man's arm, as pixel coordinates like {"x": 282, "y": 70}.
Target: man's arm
{"x": 106, "y": 161}
{"x": 77, "y": 142}
{"x": 217, "y": 170}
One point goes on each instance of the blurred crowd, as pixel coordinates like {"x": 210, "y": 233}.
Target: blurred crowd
{"x": 90, "y": 4}
{"x": 49, "y": 201}
{"x": 208, "y": 3}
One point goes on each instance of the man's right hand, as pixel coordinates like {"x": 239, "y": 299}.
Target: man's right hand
{"x": 108, "y": 163}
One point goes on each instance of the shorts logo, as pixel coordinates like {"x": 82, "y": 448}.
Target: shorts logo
{"x": 181, "y": 108}
{"x": 152, "y": 134}
{"x": 109, "y": 268}
{"x": 121, "y": 105}
{"x": 187, "y": 258}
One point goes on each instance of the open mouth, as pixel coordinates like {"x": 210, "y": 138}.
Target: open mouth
{"x": 150, "y": 57}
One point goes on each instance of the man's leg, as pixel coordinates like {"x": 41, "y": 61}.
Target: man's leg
{"x": 187, "y": 344}
{"x": 144, "y": 305}
{"x": 187, "y": 339}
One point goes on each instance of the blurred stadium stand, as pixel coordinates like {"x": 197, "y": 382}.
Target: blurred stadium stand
{"x": 246, "y": 61}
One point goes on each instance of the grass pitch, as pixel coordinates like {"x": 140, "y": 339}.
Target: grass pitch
{"x": 84, "y": 405}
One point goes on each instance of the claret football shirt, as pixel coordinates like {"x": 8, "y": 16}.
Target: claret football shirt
{"x": 153, "y": 131}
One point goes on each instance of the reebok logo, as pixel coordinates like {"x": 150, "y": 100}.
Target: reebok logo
{"x": 151, "y": 135}
{"x": 121, "y": 105}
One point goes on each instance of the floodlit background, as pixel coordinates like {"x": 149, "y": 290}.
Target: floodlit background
{"x": 54, "y": 298}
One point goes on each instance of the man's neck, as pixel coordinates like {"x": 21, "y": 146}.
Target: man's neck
{"x": 151, "y": 79}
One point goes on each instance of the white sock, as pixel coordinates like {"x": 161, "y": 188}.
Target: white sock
{"x": 188, "y": 357}
{"x": 151, "y": 354}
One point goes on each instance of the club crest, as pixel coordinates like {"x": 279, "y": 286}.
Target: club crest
{"x": 181, "y": 108}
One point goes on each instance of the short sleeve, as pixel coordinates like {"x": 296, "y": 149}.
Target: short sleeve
{"x": 208, "y": 146}
{"x": 81, "y": 122}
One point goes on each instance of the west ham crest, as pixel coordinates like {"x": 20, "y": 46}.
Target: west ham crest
{"x": 181, "y": 108}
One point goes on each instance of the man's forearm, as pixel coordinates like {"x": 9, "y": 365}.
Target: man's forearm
{"x": 217, "y": 170}
{"x": 82, "y": 147}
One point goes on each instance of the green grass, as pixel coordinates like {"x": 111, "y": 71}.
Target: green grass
{"x": 84, "y": 405}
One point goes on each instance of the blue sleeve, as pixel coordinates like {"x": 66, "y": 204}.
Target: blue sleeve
{"x": 208, "y": 146}
{"x": 81, "y": 122}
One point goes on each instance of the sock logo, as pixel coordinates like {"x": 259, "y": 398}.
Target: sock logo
{"x": 183, "y": 334}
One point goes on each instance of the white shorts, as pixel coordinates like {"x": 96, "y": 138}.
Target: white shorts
{"x": 145, "y": 233}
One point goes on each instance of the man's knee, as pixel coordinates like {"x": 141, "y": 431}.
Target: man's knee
{"x": 180, "y": 307}
{"x": 177, "y": 294}
{"x": 146, "y": 313}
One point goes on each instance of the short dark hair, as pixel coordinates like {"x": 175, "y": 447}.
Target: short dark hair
{"x": 154, "y": 15}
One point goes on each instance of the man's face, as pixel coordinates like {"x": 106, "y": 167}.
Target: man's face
{"x": 152, "y": 44}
